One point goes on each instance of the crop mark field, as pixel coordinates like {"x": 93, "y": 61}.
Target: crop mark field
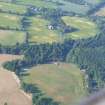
{"x": 10, "y": 91}
{"x": 64, "y": 82}
{"x": 86, "y": 28}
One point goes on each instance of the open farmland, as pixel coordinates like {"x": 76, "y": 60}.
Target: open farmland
{"x": 10, "y": 91}
{"x": 12, "y": 8}
{"x": 94, "y": 2}
{"x": 72, "y": 7}
{"x": 10, "y": 21}
{"x": 86, "y": 28}
{"x": 64, "y": 82}
{"x": 8, "y": 37}
{"x": 53, "y": 4}
{"x": 38, "y": 3}
{"x": 39, "y": 32}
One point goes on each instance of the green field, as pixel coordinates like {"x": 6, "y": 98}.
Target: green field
{"x": 94, "y": 2}
{"x": 39, "y": 31}
{"x": 11, "y": 37}
{"x": 72, "y": 7}
{"x": 9, "y": 7}
{"x": 64, "y": 82}
{"x": 86, "y": 28}
{"x": 10, "y": 21}
{"x": 53, "y": 4}
{"x": 38, "y": 3}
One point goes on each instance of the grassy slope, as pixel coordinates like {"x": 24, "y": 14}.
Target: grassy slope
{"x": 64, "y": 83}
{"x": 94, "y": 2}
{"x": 39, "y": 31}
{"x": 86, "y": 28}
{"x": 12, "y": 7}
{"x": 38, "y": 3}
{"x": 9, "y": 20}
{"x": 8, "y": 37}
{"x": 72, "y": 7}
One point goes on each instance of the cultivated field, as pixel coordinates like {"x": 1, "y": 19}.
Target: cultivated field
{"x": 86, "y": 28}
{"x": 10, "y": 21}
{"x": 10, "y": 91}
{"x": 39, "y": 31}
{"x": 64, "y": 82}
{"x": 8, "y": 37}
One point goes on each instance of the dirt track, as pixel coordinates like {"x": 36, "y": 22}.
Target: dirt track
{"x": 10, "y": 91}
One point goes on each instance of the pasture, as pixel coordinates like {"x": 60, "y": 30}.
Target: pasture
{"x": 12, "y": 8}
{"x": 8, "y": 37}
{"x": 71, "y": 7}
{"x": 64, "y": 82}
{"x": 86, "y": 28}
{"x": 39, "y": 32}
{"x": 94, "y": 2}
{"x": 38, "y": 3}
{"x": 10, "y": 21}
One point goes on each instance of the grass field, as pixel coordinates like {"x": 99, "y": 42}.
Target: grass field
{"x": 10, "y": 21}
{"x": 38, "y": 3}
{"x": 86, "y": 28}
{"x": 94, "y": 2}
{"x": 53, "y": 4}
{"x": 72, "y": 7}
{"x": 9, "y": 7}
{"x": 64, "y": 83}
{"x": 39, "y": 31}
{"x": 11, "y": 37}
